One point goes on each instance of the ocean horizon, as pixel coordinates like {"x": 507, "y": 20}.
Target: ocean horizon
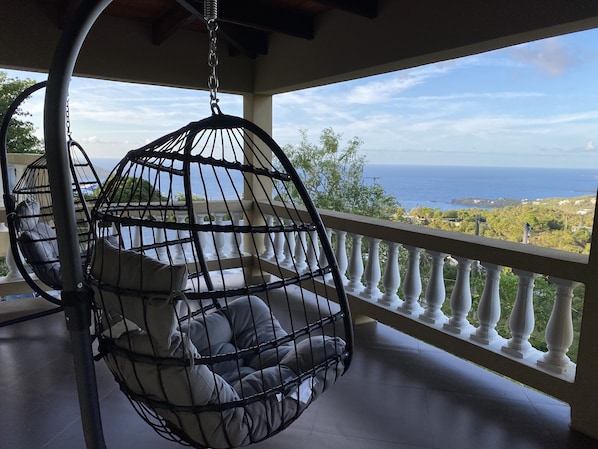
{"x": 439, "y": 186}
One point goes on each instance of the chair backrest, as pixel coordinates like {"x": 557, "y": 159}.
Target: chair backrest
{"x": 37, "y": 242}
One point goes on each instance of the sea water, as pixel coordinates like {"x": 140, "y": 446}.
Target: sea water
{"x": 439, "y": 186}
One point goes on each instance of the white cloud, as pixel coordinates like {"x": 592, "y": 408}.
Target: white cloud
{"x": 551, "y": 56}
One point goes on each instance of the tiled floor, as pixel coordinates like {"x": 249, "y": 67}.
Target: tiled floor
{"x": 398, "y": 394}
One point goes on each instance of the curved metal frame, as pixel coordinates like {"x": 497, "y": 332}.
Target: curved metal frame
{"x": 76, "y": 297}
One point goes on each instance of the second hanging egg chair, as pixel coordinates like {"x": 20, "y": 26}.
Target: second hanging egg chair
{"x": 30, "y": 214}
{"x": 220, "y": 310}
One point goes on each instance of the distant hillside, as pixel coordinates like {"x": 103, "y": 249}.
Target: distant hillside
{"x": 559, "y": 223}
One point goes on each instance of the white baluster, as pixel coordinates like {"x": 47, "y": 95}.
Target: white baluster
{"x": 323, "y": 260}
{"x": 313, "y": 251}
{"x": 279, "y": 244}
{"x": 268, "y": 245}
{"x": 289, "y": 250}
{"x": 13, "y": 272}
{"x": 236, "y": 237}
{"x": 181, "y": 248}
{"x": 203, "y": 236}
{"x": 559, "y": 330}
{"x": 412, "y": 287}
{"x": 460, "y": 299}
{"x": 372, "y": 269}
{"x": 521, "y": 322}
{"x": 114, "y": 230}
{"x": 137, "y": 237}
{"x": 340, "y": 252}
{"x": 300, "y": 252}
{"x": 160, "y": 237}
{"x": 355, "y": 265}
{"x": 489, "y": 306}
{"x": 436, "y": 291}
{"x": 219, "y": 243}
{"x": 392, "y": 276}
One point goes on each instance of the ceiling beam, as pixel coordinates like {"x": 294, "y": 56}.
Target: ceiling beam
{"x": 246, "y": 40}
{"x": 365, "y": 8}
{"x": 276, "y": 20}
{"x": 271, "y": 19}
{"x": 169, "y": 23}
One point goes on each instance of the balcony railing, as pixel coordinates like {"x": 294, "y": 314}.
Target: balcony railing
{"x": 419, "y": 306}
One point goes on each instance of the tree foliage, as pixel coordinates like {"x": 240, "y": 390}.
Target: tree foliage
{"x": 555, "y": 223}
{"x": 334, "y": 179}
{"x": 132, "y": 189}
{"x": 20, "y": 137}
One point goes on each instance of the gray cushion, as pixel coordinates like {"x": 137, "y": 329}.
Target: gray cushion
{"x": 149, "y": 289}
{"x": 198, "y": 385}
{"x": 40, "y": 250}
{"x": 27, "y": 213}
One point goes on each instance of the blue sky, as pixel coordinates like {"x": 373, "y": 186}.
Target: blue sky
{"x": 533, "y": 105}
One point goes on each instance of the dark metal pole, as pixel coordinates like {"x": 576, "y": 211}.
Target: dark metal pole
{"x": 76, "y": 297}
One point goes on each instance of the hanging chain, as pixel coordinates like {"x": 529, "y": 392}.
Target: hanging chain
{"x": 210, "y": 15}
{"x": 68, "y": 120}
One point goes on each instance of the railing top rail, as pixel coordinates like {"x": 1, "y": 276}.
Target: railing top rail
{"x": 561, "y": 264}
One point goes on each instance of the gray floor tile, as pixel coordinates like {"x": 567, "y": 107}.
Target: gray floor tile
{"x": 398, "y": 394}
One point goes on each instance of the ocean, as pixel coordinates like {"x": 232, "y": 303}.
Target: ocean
{"x": 435, "y": 186}
{"x": 438, "y": 186}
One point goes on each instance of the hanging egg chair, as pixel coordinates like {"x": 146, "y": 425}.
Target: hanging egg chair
{"x": 203, "y": 286}
{"x": 29, "y": 209}
{"x": 219, "y": 307}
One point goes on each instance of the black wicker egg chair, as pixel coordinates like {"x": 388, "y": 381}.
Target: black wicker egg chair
{"x": 30, "y": 217}
{"x": 217, "y": 340}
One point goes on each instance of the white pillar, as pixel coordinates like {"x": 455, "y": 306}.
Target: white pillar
{"x": 219, "y": 244}
{"x": 236, "y": 237}
{"x": 436, "y": 291}
{"x": 313, "y": 251}
{"x": 521, "y": 322}
{"x": 279, "y": 243}
{"x": 268, "y": 244}
{"x": 460, "y": 299}
{"x": 340, "y": 252}
{"x": 160, "y": 238}
{"x": 301, "y": 252}
{"x": 412, "y": 287}
{"x": 489, "y": 306}
{"x": 13, "y": 272}
{"x": 181, "y": 248}
{"x": 355, "y": 265}
{"x": 202, "y": 236}
{"x": 559, "y": 331}
{"x": 392, "y": 276}
{"x": 289, "y": 246}
{"x": 372, "y": 269}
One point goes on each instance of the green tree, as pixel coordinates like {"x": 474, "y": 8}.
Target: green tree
{"x": 334, "y": 177}
{"x": 131, "y": 189}
{"x": 20, "y": 137}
